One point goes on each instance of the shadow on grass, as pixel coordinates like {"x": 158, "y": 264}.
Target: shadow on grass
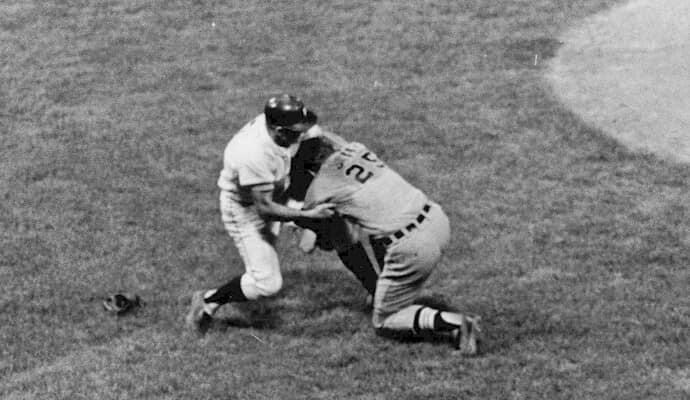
{"x": 255, "y": 315}
{"x": 331, "y": 303}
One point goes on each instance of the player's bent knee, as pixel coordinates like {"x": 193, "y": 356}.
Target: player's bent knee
{"x": 265, "y": 285}
{"x": 270, "y": 285}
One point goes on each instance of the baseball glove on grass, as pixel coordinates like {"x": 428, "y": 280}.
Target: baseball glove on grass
{"x": 121, "y": 303}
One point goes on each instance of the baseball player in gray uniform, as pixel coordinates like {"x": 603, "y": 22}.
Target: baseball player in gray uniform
{"x": 389, "y": 233}
{"x": 255, "y": 175}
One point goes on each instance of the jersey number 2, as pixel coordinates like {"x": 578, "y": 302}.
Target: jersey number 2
{"x": 362, "y": 175}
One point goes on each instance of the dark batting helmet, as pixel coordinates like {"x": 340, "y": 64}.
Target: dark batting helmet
{"x": 286, "y": 111}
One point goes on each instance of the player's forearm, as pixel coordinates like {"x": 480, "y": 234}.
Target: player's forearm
{"x": 278, "y": 212}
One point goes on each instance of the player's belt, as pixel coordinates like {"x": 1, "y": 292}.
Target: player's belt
{"x": 397, "y": 235}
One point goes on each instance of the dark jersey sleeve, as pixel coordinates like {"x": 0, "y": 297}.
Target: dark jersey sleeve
{"x": 300, "y": 171}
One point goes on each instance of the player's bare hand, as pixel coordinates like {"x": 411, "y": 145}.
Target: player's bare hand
{"x": 325, "y": 210}
{"x": 307, "y": 242}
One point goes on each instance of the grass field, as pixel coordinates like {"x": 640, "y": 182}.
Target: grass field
{"x": 113, "y": 117}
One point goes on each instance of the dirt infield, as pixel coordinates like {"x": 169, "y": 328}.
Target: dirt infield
{"x": 627, "y": 71}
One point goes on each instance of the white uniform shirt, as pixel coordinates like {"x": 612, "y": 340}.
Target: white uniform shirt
{"x": 252, "y": 158}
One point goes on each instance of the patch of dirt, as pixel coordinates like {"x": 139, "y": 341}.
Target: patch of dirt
{"x": 626, "y": 72}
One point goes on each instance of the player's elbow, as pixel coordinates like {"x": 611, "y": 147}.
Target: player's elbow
{"x": 264, "y": 208}
{"x": 263, "y": 201}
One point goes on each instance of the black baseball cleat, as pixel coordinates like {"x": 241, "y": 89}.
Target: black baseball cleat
{"x": 198, "y": 320}
{"x": 465, "y": 338}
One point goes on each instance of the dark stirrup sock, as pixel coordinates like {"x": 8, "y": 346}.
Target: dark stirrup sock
{"x": 230, "y": 292}
{"x": 447, "y": 321}
{"x": 416, "y": 326}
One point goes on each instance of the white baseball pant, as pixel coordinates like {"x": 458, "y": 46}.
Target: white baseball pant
{"x": 255, "y": 239}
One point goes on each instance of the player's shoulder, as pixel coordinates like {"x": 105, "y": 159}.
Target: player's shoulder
{"x": 250, "y": 140}
{"x": 352, "y": 148}
{"x": 344, "y": 155}
{"x": 356, "y": 146}
{"x": 253, "y": 128}
{"x": 356, "y": 150}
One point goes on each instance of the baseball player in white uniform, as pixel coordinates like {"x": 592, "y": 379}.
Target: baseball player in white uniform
{"x": 253, "y": 181}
